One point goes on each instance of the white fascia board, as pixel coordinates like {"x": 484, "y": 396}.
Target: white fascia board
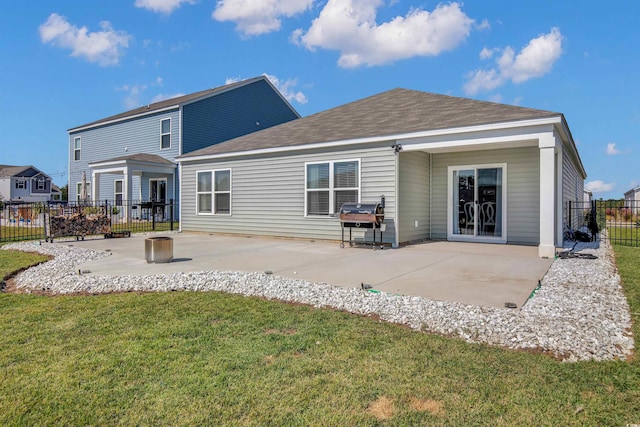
{"x": 393, "y": 137}
{"x": 122, "y": 119}
{"x": 474, "y": 144}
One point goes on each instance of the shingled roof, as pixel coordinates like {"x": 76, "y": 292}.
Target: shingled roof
{"x": 167, "y": 103}
{"x": 140, "y": 157}
{"x": 397, "y": 111}
{"x": 9, "y": 170}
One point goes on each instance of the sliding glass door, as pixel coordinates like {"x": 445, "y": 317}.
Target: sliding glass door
{"x": 477, "y": 203}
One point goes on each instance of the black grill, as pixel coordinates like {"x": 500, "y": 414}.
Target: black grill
{"x": 361, "y": 215}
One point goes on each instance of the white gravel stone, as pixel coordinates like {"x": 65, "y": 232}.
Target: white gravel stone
{"x": 578, "y": 313}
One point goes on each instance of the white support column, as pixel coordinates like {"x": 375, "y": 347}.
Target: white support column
{"x": 559, "y": 198}
{"x": 95, "y": 187}
{"x": 547, "y": 247}
{"x": 126, "y": 190}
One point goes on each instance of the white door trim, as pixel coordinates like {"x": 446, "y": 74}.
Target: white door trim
{"x": 450, "y": 205}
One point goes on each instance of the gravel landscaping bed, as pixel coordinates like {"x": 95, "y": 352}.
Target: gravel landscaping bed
{"x": 578, "y": 313}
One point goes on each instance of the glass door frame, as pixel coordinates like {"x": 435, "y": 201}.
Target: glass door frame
{"x": 450, "y": 204}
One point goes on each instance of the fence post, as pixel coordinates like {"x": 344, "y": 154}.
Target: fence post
{"x": 171, "y": 213}
{"x": 570, "y": 214}
{"x": 153, "y": 215}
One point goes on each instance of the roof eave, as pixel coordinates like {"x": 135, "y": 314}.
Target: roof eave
{"x": 551, "y": 120}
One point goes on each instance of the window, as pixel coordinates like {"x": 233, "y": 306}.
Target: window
{"x": 79, "y": 190}
{"x": 165, "y": 134}
{"x": 77, "y": 143}
{"x": 21, "y": 184}
{"x": 214, "y": 192}
{"x": 40, "y": 184}
{"x": 330, "y": 184}
{"x": 117, "y": 192}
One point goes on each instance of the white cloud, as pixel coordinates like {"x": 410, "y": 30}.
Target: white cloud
{"x": 230, "y": 80}
{"x": 611, "y": 149}
{"x": 497, "y": 98}
{"x": 132, "y": 99}
{"x": 104, "y": 47}
{"x": 598, "y": 186}
{"x": 534, "y": 60}
{"x": 350, "y": 27}
{"x": 161, "y": 97}
{"x": 255, "y": 17}
{"x": 486, "y": 53}
{"x": 165, "y": 7}
{"x": 286, "y": 88}
{"x": 484, "y": 25}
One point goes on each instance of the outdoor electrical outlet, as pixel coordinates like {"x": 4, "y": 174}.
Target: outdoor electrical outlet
{"x": 415, "y": 223}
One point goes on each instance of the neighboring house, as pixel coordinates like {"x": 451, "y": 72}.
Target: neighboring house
{"x": 56, "y": 193}
{"x": 449, "y": 168}
{"x": 131, "y": 156}
{"x": 632, "y": 200}
{"x": 588, "y": 196}
{"x": 24, "y": 184}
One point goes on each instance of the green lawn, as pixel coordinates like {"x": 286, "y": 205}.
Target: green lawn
{"x": 628, "y": 235}
{"x": 188, "y": 358}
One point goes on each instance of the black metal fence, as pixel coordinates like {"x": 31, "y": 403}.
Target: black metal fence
{"x": 32, "y": 221}
{"x": 615, "y": 220}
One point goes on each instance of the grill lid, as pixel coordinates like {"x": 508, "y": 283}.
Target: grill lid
{"x": 354, "y": 214}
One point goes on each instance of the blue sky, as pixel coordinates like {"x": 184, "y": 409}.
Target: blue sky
{"x": 66, "y": 63}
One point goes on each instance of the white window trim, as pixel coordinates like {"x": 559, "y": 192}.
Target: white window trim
{"x": 21, "y": 184}
{"x": 78, "y": 148}
{"x": 331, "y": 188}
{"x": 163, "y": 134}
{"x": 116, "y": 192}
{"x": 213, "y": 192}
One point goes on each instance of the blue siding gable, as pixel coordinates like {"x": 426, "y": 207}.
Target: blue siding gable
{"x": 231, "y": 114}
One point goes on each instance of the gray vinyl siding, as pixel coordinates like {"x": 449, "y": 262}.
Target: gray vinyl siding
{"x": 140, "y": 135}
{"x": 231, "y": 114}
{"x": 572, "y": 190}
{"x": 523, "y": 190}
{"x": 268, "y": 193}
{"x": 413, "y": 196}
{"x": 5, "y": 188}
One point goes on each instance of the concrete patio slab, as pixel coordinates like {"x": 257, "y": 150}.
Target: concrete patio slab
{"x": 469, "y": 273}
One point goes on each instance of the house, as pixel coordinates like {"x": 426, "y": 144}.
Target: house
{"x": 131, "y": 156}
{"x": 24, "y": 184}
{"x": 56, "y": 193}
{"x": 632, "y": 200}
{"x": 588, "y": 197}
{"x": 449, "y": 168}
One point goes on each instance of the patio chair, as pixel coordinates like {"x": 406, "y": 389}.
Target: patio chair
{"x": 469, "y": 214}
{"x": 488, "y": 213}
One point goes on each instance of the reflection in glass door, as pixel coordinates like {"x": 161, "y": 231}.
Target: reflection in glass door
{"x": 158, "y": 194}
{"x": 477, "y": 202}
